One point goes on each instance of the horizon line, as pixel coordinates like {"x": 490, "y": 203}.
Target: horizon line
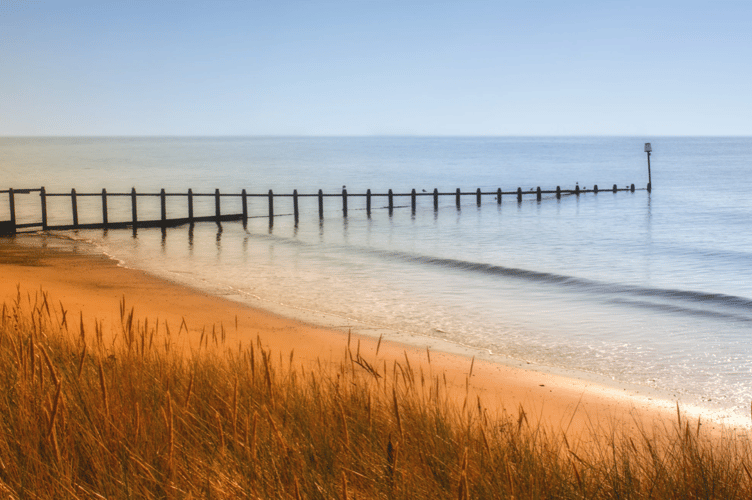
{"x": 355, "y": 136}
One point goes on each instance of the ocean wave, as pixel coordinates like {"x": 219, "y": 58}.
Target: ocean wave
{"x": 665, "y": 299}
{"x": 737, "y": 303}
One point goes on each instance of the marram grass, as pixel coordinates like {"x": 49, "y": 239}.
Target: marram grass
{"x": 138, "y": 418}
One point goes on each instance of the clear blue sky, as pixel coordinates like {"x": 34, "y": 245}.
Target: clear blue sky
{"x": 364, "y": 67}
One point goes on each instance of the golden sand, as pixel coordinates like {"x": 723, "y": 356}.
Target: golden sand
{"x": 92, "y": 287}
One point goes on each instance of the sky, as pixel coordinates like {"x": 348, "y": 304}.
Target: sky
{"x": 375, "y": 67}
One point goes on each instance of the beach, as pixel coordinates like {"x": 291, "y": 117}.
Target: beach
{"x": 646, "y": 291}
{"x": 367, "y": 250}
{"x": 91, "y": 289}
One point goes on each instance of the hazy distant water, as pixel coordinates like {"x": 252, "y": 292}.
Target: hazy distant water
{"x": 653, "y": 289}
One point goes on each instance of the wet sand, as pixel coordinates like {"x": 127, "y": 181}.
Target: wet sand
{"x": 92, "y": 287}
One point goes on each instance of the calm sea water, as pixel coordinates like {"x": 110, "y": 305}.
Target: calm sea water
{"x": 649, "y": 289}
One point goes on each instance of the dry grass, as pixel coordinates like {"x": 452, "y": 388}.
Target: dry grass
{"x": 138, "y": 419}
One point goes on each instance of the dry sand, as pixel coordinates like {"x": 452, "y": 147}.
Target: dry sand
{"x": 92, "y": 287}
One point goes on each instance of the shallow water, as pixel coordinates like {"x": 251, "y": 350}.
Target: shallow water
{"x": 652, "y": 289}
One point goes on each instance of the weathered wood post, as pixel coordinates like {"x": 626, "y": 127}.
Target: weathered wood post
{"x": 163, "y": 203}
{"x": 217, "y": 207}
{"x": 477, "y": 197}
{"x": 614, "y": 188}
{"x": 295, "y": 205}
{"x": 457, "y": 198}
{"x": 344, "y": 202}
{"x": 12, "y": 202}
{"x": 648, "y": 150}
{"x": 413, "y": 200}
{"x": 631, "y": 188}
{"x": 271, "y": 207}
{"x": 595, "y": 188}
{"x": 558, "y": 192}
{"x": 321, "y": 204}
{"x": 244, "y": 203}
{"x": 538, "y": 194}
{"x": 498, "y": 196}
{"x": 190, "y": 206}
{"x": 43, "y": 197}
{"x": 368, "y": 203}
{"x": 74, "y": 207}
{"x": 435, "y": 199}
{"x": 519, "y": 194}
{"x": 134, "y": 208}
{"x": 104, "y": 207}
{"x": 391, "y": 202}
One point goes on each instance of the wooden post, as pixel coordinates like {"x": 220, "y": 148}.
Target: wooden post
{"x": 190, "y": 206}
{"x": 217, "y": 208}
{"x": 368, "y": 203}
{"x": 271, "y": 207}
{"x": 295, "y": 205}
{"x": 595, "y": 189}
{"x": 648, "y": 149}
{"x": 244, "y": 202}
{"x": 321, "y": 204}
{"x": 577, "y": 189}
{"x": 344, "y": 202}
{"x": 435, "y": 199}
{"x": 558, "y": 192}
{"x": 631, "y": 188}
{"x": 614, "y": 188}
{"x": 477, "y": 197}
{"x": 9, "y": 228}
{"x": 163, "y": 201}
{"x": 43, "y": 196}
{"x": 519, "y": 194}
{"x": 104, "y": 207}
{"x": 74, "y": 207}
{"x": 457, "y": 198}
{"x": 498, "y": 196}
{"x": 12, "y": 201}
{"x": 391, "y": 202}
{"x": 538, "y": 194}
{"x": 134, "y": 208}
{"x": 413, "y": 200}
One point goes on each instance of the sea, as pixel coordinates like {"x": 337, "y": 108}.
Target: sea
{"x": 648, "y": 289}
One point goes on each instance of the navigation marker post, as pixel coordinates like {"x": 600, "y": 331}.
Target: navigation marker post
{"x": 648, "y": 150}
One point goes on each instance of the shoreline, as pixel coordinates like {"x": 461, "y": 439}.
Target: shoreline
{"x": 91, "y": 286}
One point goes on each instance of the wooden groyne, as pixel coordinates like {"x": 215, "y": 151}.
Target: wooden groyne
{"x": 11, "y": 226}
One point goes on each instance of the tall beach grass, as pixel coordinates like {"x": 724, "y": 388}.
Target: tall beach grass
{"x": 137, "y": 417}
